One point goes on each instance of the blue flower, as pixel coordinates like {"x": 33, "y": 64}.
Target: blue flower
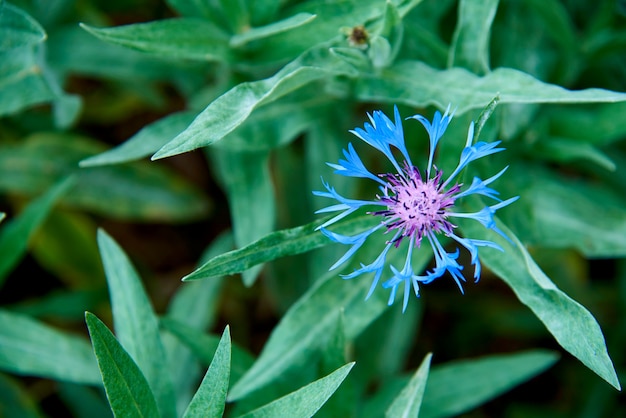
{"x": 413, "y": 206}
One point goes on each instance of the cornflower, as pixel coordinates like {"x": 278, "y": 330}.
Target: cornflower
{"x": 413, "y": 205}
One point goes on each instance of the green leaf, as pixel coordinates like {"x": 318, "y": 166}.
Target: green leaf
{"x": 15, "y": 401}
{"x": 574, "y": 328}
{"x": 139, "y": 191}
{"x": 80, "y": 268}
{"x": 470, "y": 42}
{"x": 304, "y": 402}
{"x": 17, "y": 28}
{"x": 261, "y": 32}
{"x": 210, "y": 399}
{"x": 457, "y": 387}
{"x": 203, "y": 346}
{"x": 21, "y": 82}
{"x": 136, "y": 324}
{"x": 181, "y": 38}
{"x": 145, "y": 142}
{"x": 567, "y": 213}
{"x": 247, "y": 181}
{"x": 567, "y": 150}
{"x": 275, "y": 245}
{"x": 127, "y": 389}
{"x": 409, "y": 401}
{"x": 16, "y": 234}
{"x": 29, "y": 347}
{"x": 70, "y": 51}
{"x": 484, "y": 117}
{"x": 195, "y": 304}
{"x": 598, "y": 124}
{"x": 63, "y": 305}
{"x": 416, "y": 84}
{"x": 232, "y": 108}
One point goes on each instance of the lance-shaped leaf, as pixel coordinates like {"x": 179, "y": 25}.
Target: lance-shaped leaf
{"x": 33, "y": 348}
{"x": 261, "y": 32}
{"x": 126, "y": 387}
{"x": 459, "y": 386}
{"x": 574, "y": 328}
{"x": 231, "y": 109}
{"x": 470, "y": 43}
{"x": 15, "y": 235}
{"x": 210, "y": 399}
{"x": 185, "y": 38}
{"x": 408, "y": 402}
{"x": 304, "y": 402}
{"x": 246, "y": 178}
{"x": 416, "y": 84}
{"x": 136, "y": 324}
{"x": 275, "y": 245}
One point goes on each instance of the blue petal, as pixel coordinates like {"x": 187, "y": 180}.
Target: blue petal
{"x": 472, "y": 246}
{"x": 479, "y": 186}
{"x": 345, "y": 204}
{"x": 405, "y": 276}
{"x": 444, "y": 262}
{"x": 486, "y": 214}
{"x": 381, "y": 134}
{"x": 356, "y": 241}
{"x": 435, "y": 131}
{"x": 353, "y": 166}
{"x": 377, "y": 266}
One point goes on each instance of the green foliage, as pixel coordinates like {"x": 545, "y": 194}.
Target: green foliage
{"x": 90, "y": 91}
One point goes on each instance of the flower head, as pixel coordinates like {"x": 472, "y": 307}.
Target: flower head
{"x": 413, "y": 205}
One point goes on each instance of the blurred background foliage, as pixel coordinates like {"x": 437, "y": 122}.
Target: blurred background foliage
{"x": 240, "y": 104}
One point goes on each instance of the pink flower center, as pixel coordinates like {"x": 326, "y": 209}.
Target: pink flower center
{"x": 416, "y": 207}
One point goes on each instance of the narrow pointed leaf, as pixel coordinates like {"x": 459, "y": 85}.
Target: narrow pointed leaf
{"x": 15, "y": 234}
{"x": 408, "y": 402}
{"x": 210, "y": 399}
{"x": 275, "y": 245}
{"x": 470, "y": 43}
{"x": 416, "y": 84}
{"x": 126, "y": 387}
{"x": 457, "y": 387}
{"x": 136, "y": 324}
{"x": 185, "y": 38}
{"x": 32, "y": 348}
{"x": 145, "y": 142}
{"x": 231, "y": 109}
{"x": 276, "y": 27}
{"x": 304, "y": 402}
{"x": 574, "y": 328}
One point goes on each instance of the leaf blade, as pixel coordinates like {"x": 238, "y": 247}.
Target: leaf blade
{"x": 136, "y": 324}
{"x": 30, "y": 347}
{"x": 210, "y": 399}
{"x": 126, "y": 387}
{"x": 409, "y": 400}
{"x": 306, "y": 401}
